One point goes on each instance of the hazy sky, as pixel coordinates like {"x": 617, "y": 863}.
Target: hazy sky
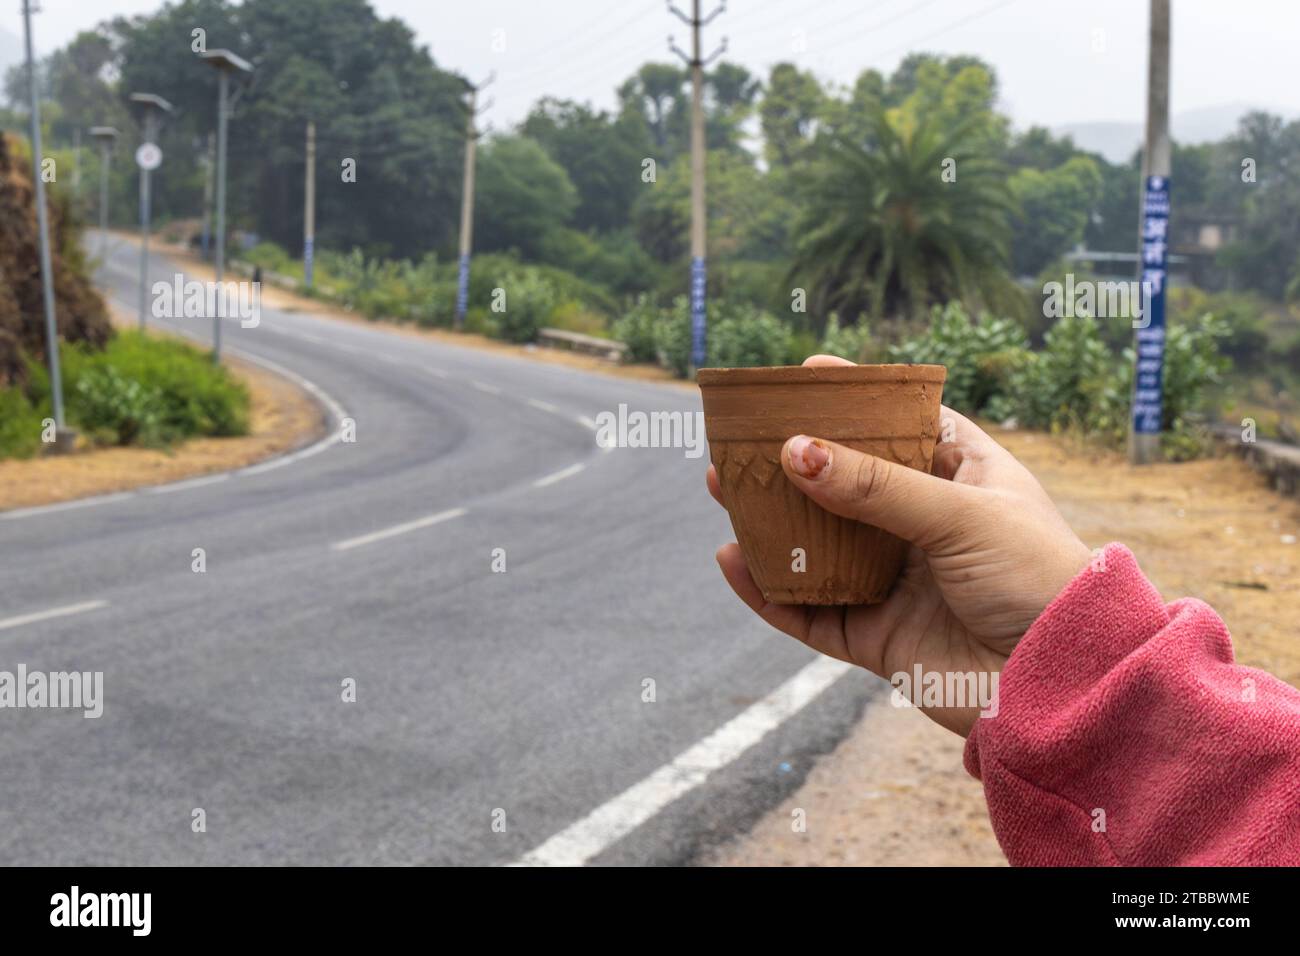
{"x": 1059, "y": 61}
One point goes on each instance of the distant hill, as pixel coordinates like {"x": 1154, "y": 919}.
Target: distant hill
{"x": 1117, "y": 141}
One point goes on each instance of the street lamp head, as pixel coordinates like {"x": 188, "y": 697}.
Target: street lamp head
{"x": 225, "y": 60}
{"x": 151, "y": 101}
{"x": 105, "y": 134}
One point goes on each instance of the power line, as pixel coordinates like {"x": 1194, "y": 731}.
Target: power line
{"x": 952, "y": 26}
{"x": 589, "y": 43}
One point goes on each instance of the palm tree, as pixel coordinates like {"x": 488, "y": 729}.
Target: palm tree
{"x": 885, "y": 231}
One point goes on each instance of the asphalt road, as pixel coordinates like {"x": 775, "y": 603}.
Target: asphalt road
{"x": 477, "y": 692}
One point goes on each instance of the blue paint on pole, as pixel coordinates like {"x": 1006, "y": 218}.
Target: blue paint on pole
{"x": 308, "y": 247}
{"x": 462, "y": 290}
{"x": 698, "y": 320}
{"x": 1149, "y": 382}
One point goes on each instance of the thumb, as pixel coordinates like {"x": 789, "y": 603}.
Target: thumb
{"x": 914, "y": 505}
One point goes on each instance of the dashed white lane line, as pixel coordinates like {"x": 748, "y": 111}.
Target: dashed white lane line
{"x": 607, "y": 824}
{"x": 543, "y": 406}
{"x": 395, "y": 530}
{"x": 485, "y": 387}
{"x": 64, "y": 611}
{"x": 559, "y": 475}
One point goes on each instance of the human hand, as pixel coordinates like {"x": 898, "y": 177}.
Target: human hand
{"x": 988, "y": 552}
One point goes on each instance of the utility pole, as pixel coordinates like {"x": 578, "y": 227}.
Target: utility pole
{"x": 225, "y": 63}
{"x": 1153, "y": 250}
{"x": 209, "y": 172}
{"x": 699, "y": 274}
{"x": 43, "y": 227}
{"x": 309, "y": 207}
{"x": 106, "y": 136}
{"x": 467, "y": 200}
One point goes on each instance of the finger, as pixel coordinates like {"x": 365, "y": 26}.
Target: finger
{"x": 914, "y": 505}
{"x": 825, "y": 360}
{"x": 715, "y": 486}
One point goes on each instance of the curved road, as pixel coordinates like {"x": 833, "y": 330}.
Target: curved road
{"x": 482, "y": 697}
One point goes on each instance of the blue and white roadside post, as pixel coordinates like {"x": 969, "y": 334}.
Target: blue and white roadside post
{"x": 699, "y": 321}
{"x": 1148, "y": 373}
{"x": 309, "y": 208}
{"x": 699, "y": 276}
{"x": 1153, "y": 249}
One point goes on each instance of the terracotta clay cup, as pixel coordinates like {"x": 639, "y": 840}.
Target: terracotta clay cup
{"x": 890, "y": 411}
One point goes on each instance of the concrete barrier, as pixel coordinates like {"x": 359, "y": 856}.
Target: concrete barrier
{"x": 607, "y": 349}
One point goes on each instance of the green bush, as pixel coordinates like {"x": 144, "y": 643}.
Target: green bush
{"x": 746, "y": 336}
{"x": 146, "y": 391}
{"x": 979, "y": 355}
{"x": 20, "y": 425}
{"x": 115, "y": 410}
{"x": 847, "y": 341}
{"x": 636, "y": 329}
{"x": 673, "y": 337}
{"x": 530, "y": 301}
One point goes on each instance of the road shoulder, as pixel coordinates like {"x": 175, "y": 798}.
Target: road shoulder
{"x": 282, "y": 417}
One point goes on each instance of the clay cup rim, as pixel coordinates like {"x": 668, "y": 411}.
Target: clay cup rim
{"x": 821, "y": 374}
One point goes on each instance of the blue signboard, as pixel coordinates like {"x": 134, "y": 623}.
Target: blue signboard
{"x": 308, "y": 246}
{"x": 1149, "y": 373}
{"x": 462, "y": 288}
{"x": 698, "y": 286}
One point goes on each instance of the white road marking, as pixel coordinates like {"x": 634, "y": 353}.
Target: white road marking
{"x": 398, "y": 529}
{"x": 544, "y": 406}
{"x": 64, "y": 611}
{"x": 66, "y": 505}
{"x": 607, "y": 824}
{"x": 586, "y": 422}
{"x": 188, "y": 483}
{"x": 485, "y": 387}
{"x": 559, "y": 475}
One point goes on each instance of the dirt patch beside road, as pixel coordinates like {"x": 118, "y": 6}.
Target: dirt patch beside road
{"x": 894, "y": 793}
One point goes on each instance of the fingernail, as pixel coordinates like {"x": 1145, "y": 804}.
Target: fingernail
{"x": 808, "y": 456}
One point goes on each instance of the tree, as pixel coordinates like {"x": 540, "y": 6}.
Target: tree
{"x": 601, "y": 154}
{"x": 1054, "y": 207}
{"x": 884, "y": 232}
{"x": 792, "y": 104}
{"x": 521, "y": 195}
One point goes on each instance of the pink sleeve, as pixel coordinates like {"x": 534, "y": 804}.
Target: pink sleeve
{"x": 1126, "y": 735}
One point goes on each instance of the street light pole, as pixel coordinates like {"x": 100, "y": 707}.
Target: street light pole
{"x": 225, "y": 63}
{"x": 154, "y": 107}
{"x": 223, "y": 88}
{"x": 106, "y": 136}
{"x": 43, "y": 226}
